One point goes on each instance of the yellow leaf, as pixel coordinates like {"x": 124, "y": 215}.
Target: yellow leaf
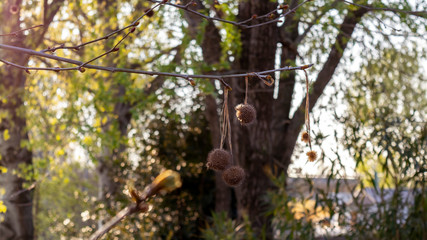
{"x": 58, "y": 137}
{"x": 87, "y": 140}
{"x": 97, "y": 123}
{"x": 53, "y": 121}
{"x": 3, "y": 169}
{"x": 60, "y": 152}
{"x": 2, "y": 207}
{"x": 6, "y": 135}
{"x": 104, "y": 120}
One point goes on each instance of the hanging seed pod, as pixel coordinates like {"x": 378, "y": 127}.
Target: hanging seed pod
{"x": 218, "y": 159}
{"x": 233, "y": 176}
{"x": 305, "y": 137}
{"x": 246, "y": 113}
{"x": 312, "y": 155}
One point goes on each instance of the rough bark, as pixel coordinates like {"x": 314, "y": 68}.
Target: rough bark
{"x": 211, "y": 50}
{"x": 272, "y": 138}
{"x": 253, "y": 144}
{"x": 212, "y": 54}
{"x": 282, "y": 105}
{"x": 18, "y": 219}
{"x": 222, "y": 191}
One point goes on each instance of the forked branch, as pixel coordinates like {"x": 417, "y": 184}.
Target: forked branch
{"x": 263, "y": 75}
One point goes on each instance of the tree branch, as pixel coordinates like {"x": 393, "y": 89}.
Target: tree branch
{"x": 166, "y": 181}
{"x": 312, "y": 23}
{"x": 323, "y": 78}
{"x": 15, "y": 33}
{"x": 242, "y": 24}
{"x": 422, "y": 14}
{"x": 132, "y": 25}
{"x": 262, "y": 74}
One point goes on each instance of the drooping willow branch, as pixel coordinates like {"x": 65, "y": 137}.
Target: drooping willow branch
{"x": 263, "y": 75}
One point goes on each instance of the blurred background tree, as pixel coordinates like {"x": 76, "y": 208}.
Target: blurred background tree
{"x": 79, "y": 138}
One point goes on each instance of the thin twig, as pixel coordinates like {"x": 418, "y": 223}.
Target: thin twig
{"x": 263, "y": 74}
{"x": 165, "y": 182}
{"x": 136, "y": 22}
{"x": 114, "y": 221}
{"x": 307, "y": 109}
{"x": 77, "y": 47}
{"x": 246, "y": 91}
{"x": 415, "y": 13}
{"x": 22, "y": 30}
{"x": 241, "y": 24}
{"x": 224, "y": 118}
{"x": 315, "y": 20}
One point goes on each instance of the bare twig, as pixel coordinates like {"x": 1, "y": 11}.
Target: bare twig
{"x": 114, "y": 221}
{"x": 22, "y": 30}
{"x": 132, "y": 25}
{"x": 81, "y": 65}
{"x": 262, "y": 75}
{"x": 312, "y": 23}
{"x": 243, "y": 24}
{"x": 270, "y": 15}
{"x": 166, "y": 181}
{"x": 414, "y": 13}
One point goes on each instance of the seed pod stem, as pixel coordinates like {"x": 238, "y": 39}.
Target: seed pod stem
{"x": 246, "y": 92}
{"x": 307, "y": 109}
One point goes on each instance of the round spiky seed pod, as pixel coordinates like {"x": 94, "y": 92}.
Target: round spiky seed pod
{"x": 305, "y": 137}
{"x": 312, "y": 155}
{"x": 246, "y": 113}
{"x": 233, "y": 176}
{"x": 218, "y": 159}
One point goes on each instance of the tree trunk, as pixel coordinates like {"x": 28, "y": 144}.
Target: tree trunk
{"x": 252, "y": 144}
{"x": 271, "y": 140}
{"x": 212, "y": 54}
{"x": 110, "y": 160}
{"x": 211, "y": 49}
{"x": 325, "y": 75}
{"x": 282, "y": 105}
{"x": 222, "y": 191}
{"x": 18, "y": 219}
